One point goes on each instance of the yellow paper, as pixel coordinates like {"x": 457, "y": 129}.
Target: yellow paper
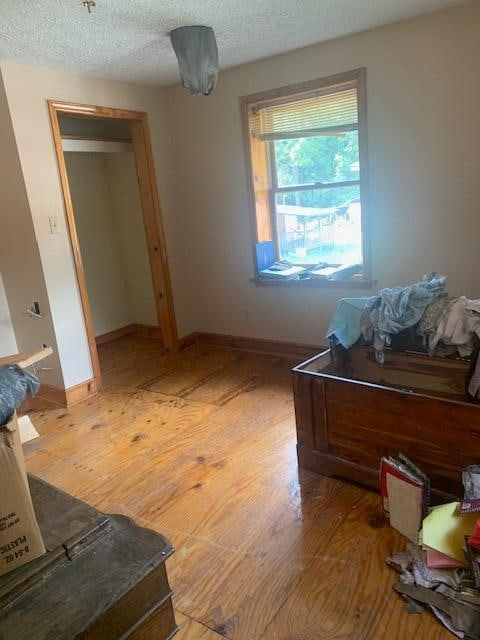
{"x": 444, "y": 529}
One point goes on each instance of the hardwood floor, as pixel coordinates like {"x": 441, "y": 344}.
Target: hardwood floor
{"x": 201, "y": 447}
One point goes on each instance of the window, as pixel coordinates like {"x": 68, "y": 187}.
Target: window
{"x": 306, "y": 152}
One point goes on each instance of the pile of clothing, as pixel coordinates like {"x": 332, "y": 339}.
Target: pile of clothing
{"x": 440, "y": 567}
{"x": 447, "y": 326}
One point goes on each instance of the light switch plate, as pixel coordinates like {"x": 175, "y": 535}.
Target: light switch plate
{"x": 53, "y": 220}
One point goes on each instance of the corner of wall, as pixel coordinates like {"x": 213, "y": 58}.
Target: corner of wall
{"x": 20, "y": 264}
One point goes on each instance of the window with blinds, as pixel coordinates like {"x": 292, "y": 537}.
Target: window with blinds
{"x": 325, "y": 114}
{"x": 306, "y": 162}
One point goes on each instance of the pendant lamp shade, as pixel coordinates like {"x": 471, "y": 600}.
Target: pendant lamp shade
{"x": 197, "y": 54}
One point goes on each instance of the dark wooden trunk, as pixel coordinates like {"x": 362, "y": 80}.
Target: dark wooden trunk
{"x": 103, "y": 577}
{"x": 349, "y": 416}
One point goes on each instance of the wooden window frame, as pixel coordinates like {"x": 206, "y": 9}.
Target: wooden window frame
{"x": 262, "y": 190}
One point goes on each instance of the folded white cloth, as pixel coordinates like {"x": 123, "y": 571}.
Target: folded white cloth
{"x": 458, "y": 326}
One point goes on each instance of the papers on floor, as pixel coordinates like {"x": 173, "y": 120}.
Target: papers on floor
{"x": 437, "y": 560}
{"x": 445, "y": 528}
{"x": 441, "y": 572}
{"x": 404, "y": 490}
{"x": 470, "y": 506}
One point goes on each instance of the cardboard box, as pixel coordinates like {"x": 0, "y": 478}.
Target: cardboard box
{"x": 20, "y": 537}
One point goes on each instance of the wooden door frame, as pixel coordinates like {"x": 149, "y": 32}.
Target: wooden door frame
{"x": 152, "y": 219}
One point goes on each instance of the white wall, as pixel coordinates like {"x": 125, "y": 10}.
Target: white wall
{"x": 423, "y": 91}
{"x": 27, "y": 90}
{"x": 8, "y": 344}
{"x": 111, "y": 234}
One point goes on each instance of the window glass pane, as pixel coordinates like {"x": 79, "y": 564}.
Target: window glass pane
{"x": 320, "y": 225}
{"x": 317, "y": 159}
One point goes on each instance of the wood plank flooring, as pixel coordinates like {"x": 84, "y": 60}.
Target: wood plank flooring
{"x": 201, "y": 447}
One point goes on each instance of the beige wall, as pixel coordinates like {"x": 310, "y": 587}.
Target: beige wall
{"x": 27, "y": 90}
{"x": 423, "y": 93}
{"x": 95, "y": 224}
{"x": 110, "y": 228}
{"x": 125, "y": 200}
{"x": 20, "y": 263}
{"x": 8, "y": 344}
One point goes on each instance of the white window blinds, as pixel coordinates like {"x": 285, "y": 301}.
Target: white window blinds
{"x": 329, "y": 114}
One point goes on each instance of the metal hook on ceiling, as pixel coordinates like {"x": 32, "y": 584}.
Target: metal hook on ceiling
{"x": 89, "y": 4}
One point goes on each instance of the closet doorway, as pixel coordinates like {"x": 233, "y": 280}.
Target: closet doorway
{"x": 114, "y": 221}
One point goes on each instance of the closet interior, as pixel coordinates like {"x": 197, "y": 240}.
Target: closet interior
{"x": 103, "y": 184}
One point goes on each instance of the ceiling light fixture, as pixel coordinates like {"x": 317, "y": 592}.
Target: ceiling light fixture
{"x": 89, "y": 4}
{"x": 197, "y": 54}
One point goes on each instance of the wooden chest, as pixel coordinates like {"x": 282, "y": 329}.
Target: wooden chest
{"x": 103, "y": 577}
{"x": 350, "y": 414}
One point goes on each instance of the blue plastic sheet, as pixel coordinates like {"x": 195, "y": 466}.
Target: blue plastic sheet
{"x": 15, "y": 384}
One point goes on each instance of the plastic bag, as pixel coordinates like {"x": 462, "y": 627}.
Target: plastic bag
{"x": 197, "y": 54}
{"x": 15, "y": 383}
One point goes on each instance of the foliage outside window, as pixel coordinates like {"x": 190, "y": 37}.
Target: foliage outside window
{"x": 306, "y": 158}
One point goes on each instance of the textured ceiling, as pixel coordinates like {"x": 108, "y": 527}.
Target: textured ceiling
{"x": 128, "y": 40}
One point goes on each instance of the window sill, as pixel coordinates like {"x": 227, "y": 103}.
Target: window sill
{"x": 314, "y": 283}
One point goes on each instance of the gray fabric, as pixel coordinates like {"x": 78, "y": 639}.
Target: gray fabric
{"x": 432, "y": 316}
{"x": 197, "y": 54}
{"x": 394, "y": 309}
